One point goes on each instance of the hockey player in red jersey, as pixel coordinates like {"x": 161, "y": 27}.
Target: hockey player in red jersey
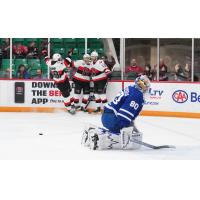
{"x": 58, "y": 71}
{"x": 82, "y": 82}
{"x": 100, "y": 73}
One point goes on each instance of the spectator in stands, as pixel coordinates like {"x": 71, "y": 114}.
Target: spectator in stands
{"x": 19, "y": 50}
{"x": 32, "y": 50}
{"x": 39, "y": 74}
{"x": 148, "y": 72}
{"x": 6, "y": 73}
{"x": 134, "y": 68}
{"x": 179, "y": 73}
{"x": 1, "y": 57}
{"x": 109, "y": 60}
{"x": 6, "y": 48}
{"x": 43, "y": 48}
{"x": 22, "y": 72}
{"x": 163, "y": 73}
{"x": 184, "y": 74}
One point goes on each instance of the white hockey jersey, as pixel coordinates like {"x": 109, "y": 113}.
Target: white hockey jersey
{"x": 99, "y": 70}
{"x": 83, "y": 72}
{"x": 59, "y": 69}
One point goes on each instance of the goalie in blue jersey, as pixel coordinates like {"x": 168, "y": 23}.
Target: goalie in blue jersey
{"x": 119, "y": 131}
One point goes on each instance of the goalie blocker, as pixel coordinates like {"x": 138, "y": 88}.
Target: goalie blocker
{"x": 97, "y": 138}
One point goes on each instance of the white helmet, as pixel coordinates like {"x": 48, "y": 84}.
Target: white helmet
{"x": 56, "y": 57}
{"x": 94, "y": 54}
{"x": 86, "y": 56}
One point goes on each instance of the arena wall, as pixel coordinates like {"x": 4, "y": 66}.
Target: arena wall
{"x": 165, "y": 99}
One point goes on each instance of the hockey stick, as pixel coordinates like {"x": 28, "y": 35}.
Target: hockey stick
{"x": 153, "y": 146}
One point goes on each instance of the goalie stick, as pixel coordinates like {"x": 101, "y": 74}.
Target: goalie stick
{"x": 153, "y": 146}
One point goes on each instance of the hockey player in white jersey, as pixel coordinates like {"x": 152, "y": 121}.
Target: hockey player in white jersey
{"x": 82, "y": 82}
{"x": 119, "y": 131}
{"x": 100, "y": 73}
{"x": 58, "y": 71}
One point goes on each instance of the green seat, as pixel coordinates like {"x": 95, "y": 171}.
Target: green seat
{"x": 29, "y": 40}
{"x": 35, "y": 67}
{"x": 69, "y": 42}
{"x": 95, "y": 43}
{"x": 116, "y": 75}
{"x": 18, "y": 62}
{"x": 6, "y": 63}
{"x": 32, "y": 62}
{"x": 81, "y": 52}
{"x": 56, "y": 42}
{"x": 75, "y": 57}
{"x": 80, "y": 42}
{"x": 131, "y": 75}
{"x": 43, "y": 63}
{"x": 59, "y": 50}
{"x": 15, "y": 40}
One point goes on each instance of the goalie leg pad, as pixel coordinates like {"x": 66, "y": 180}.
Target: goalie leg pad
{"x": 99, "y": 139}
{"x": 128, "y": 135}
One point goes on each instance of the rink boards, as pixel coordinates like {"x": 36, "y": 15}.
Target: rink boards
{"x": 165, "y": 98}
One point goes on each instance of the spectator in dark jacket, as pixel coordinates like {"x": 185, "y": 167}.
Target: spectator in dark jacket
{"x": 22, "y": 72}
{"x": 43, "y": 48}
{"x": 163, "y": 73}
{"x": 148, "y": 72}
{"x": 6, "y": 48}
{"x": 32, "y": 50}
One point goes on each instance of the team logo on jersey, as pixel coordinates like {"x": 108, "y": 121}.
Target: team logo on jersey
{"x": 180, "y": 96}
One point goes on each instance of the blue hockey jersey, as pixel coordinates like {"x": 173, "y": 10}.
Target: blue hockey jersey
{"x": 126, "y": 107}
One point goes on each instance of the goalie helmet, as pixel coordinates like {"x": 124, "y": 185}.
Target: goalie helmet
{"x": 56, "y": 57}
{"x": 142, "y": 83}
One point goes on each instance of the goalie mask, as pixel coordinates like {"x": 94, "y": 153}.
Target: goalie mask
{"x": 142, "y": 83}
{"x": 56, "y": 57}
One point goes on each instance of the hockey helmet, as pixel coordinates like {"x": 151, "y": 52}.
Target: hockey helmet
{"x": 94, "y": 54}
{"x": 56, "y": 57}
{"x": 86, "y": 58}
{"x": 142, "y": 83}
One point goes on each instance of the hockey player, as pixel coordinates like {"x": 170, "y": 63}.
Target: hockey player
{"x": 118, "y": 120}
{"x": 100, "y": 73}
{"x": 58, "y": 71}
{"x": 82, "y": 82}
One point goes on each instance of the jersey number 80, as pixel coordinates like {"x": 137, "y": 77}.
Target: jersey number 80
{"x": 134, "y": 105}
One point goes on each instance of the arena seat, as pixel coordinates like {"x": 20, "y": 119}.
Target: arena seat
{"x": 69, "y": 42}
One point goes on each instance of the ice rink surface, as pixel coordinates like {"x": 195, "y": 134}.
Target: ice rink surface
{"x": 61, "y": 139}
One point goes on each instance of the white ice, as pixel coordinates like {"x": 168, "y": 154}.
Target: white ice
{"x": 20, "y": 139}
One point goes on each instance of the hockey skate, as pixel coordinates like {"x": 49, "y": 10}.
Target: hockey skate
{"x": 72, "y": 111}
{"x": 83, "y": 109}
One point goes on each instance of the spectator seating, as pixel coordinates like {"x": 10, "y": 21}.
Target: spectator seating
{"x": 62, "y": 45}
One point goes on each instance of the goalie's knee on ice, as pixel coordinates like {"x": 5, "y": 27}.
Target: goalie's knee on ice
{"x": 128, "y": 136}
